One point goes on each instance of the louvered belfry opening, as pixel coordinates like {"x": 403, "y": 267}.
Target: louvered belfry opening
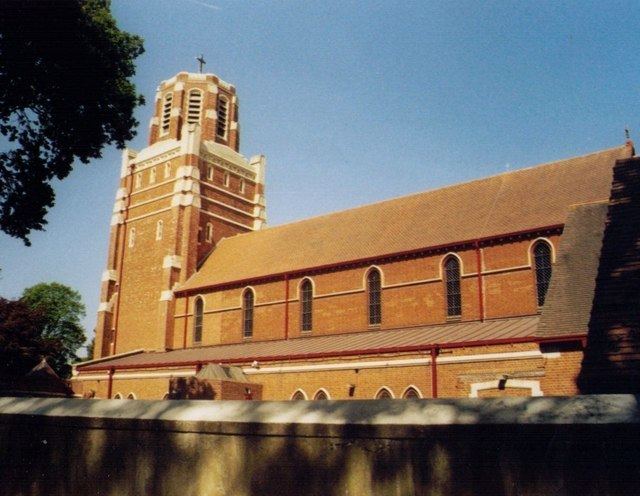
{"x": 194, "y": 106}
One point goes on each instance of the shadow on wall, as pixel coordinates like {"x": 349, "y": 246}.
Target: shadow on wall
{"x": 612, "y": 357}
{"x": 471, "y": 447}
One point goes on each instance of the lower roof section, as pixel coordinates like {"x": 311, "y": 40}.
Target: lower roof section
{"x": 451, "y": 335}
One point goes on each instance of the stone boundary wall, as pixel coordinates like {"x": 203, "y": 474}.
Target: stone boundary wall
{"x": 583, "y": 445}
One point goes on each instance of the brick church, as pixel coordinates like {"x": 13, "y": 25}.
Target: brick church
{"x": 484, "y": 288}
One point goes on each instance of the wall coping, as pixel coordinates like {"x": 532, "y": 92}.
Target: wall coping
{"x": 406, "y": 418}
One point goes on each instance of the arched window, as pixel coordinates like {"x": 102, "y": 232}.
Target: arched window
{"x": 298, "y": 395}
{"x": 452, "y": 286}
{"x": 159, "y": 229}
{"x": 242, "y": 186}
{"x": 222, "y": 112}
{"x": 198, "y": 315}
{"x": 152, "y": 176}
{"x": 384, "y": 394}
{"x": 132, "y": 237}
{"x": 131, "y": 396}
{"x": 247, "y": 313}
{"x": 117, "y": 396}
{"x": 208, "y": 236}
{"x": 167, "y": 170}
{"x": 542, "y": 261}
{"x": 194, "y": 106}
{"x": 321, "y": 394}
{"x": 166, "y": 113}
{"x": 306, "y": 305}
{"x": 411, "y": 393}
{"x": 374, "y": 292}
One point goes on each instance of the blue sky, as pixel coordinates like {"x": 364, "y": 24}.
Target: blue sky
{"x": 356, "y": 102}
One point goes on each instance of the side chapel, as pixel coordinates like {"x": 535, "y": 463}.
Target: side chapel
{"x": 483, "y": 288}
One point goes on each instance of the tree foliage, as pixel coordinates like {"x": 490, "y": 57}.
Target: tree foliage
{"x": 61, "y": 310}
{"x": 65, "y": 93}
{"x": 22, "y": 344}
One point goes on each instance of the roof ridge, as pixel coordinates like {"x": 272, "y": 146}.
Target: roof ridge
{"x": 438, "y": 188}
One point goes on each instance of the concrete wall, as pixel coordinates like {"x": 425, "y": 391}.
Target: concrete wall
{"x": 543, "y": 446}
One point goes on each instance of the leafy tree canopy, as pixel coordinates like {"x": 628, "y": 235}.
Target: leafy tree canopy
{"x": 65, "y": 93}
{"x": 22, "y": 344}
{"x": 61, "y": 309}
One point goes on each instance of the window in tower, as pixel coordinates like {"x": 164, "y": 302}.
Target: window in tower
{"x": 209, "y": 232}
{"x": 242, "y": 186}
{"x": 306, "y": 305}
{"x": 198, "y": 317}
{"x": 166, "y": 113}
{"x": 321, "y": 395}
{"x": 152, "y": 176}
{"x": 159, "y": 228}
{"x": 247, "y": 313}
{"x": 384, "y": 394}
{"x": 374, "y": 292}
{"x": 167, "y": 170}
{"x": 194, "y": 106}
{"x": 225, "y": 179}
{"x": 299, "y": 395}
{"x": 452, "y": 286}
{"x": 542, "y": 260}
{"x": 411, "y": 393}
{"x": 210, "y": 173}
{"x": 132, "y": 237}
{"x": 138, "y": 180}
{"x": 222, "y": 111}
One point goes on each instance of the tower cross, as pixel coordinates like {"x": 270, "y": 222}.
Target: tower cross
{"x": 201, "y": 62}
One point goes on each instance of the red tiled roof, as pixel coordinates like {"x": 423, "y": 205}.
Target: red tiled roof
{"x": 521, "y": 200}
{"x": 359, "y": 343}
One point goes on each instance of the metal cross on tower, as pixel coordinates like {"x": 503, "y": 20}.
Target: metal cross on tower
{"x": 201, "y": 62}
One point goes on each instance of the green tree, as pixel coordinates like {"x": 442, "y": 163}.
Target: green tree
{"x": 65, "y": 93}
{"x": 62, "y": 309}
{"x": 22, "y": 344}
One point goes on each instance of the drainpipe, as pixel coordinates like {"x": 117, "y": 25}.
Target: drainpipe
{"x": 434, "y": 372}
{"x": 286, "y": 306}
{"x": 480, "y": 289}
{"x": 110, "y": 382}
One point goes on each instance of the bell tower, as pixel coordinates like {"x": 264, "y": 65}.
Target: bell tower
{"x": 177, "y": 198}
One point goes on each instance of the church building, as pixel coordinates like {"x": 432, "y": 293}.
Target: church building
{"x": 483, "y": 288}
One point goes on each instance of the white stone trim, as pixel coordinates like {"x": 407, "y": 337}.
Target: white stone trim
{"x": 117, "y": 219}
{"x": 105, "y": 306}
{"x": 121, "y": 193}
{"x": 188, "y": 172}
{"x": 212, "y": 88}
{"x": 148, "y": 215}
{"x": 248, "y": 228}
{"x": 210, "y": 114}
{"x": 185, "y": 200}
{"x": 226, "y": 191}
{"x": 534, "y": 386}
{"x": 108, "y": 275}
{"x": 178, "y": 86}
{"x": 176, "y": 112}
{"x": 166, "y": 295}
{"x": 172, "y": 262}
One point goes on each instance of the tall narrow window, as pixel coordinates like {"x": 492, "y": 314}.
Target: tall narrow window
{"x": 198, "y": 316}
{"x": 374, "y": 290}
{"x": 222, "y": 111}
{"x": 138, "y": 180}
{"x": 247, "y": 313}
{"x": 225, "y": 179}
{"x": 132, "y": 237}
{"x": 167, "y": 170}
{"x": 166, "y": 113}
{"x": 210, "y": 173}
{"x": 159, "y": 229}
{"x": 209, "y": 232}
{"x": 194, "y": 106}
{"x": 152, "y": 176}
{"x": 452, "y": 286}
{"x": 306, "y": 305}
{"x": 542, "y": 260}
{"x": 242, "y": 186}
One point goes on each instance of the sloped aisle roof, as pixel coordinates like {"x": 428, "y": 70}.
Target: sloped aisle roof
{"x": 516, "y": 201}
{"x": 357, "y": 343}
